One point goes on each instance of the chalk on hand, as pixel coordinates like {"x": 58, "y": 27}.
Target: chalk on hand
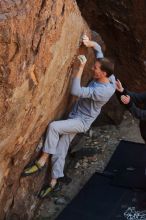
{"x": 82, "y": 58}
{"x": 85, "y": 37}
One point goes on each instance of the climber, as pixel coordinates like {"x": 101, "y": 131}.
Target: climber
{"x": 85, "y": 111}
{"x": 131, "y": 100}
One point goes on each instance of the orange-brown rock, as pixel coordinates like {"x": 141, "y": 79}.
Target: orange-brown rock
{"x": 38, "y": 43}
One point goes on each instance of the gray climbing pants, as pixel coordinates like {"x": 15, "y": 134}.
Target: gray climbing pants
{"x": 59, "y": 135}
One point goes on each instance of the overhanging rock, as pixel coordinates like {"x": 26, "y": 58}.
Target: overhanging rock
{"x": 38, "y": 43}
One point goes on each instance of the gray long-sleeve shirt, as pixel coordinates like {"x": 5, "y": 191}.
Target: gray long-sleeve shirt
{"x": 91, "y": 98}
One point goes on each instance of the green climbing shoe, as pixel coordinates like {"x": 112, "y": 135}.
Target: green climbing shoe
{"x": 35, "y": 167}
{"x": 48, "y": 190}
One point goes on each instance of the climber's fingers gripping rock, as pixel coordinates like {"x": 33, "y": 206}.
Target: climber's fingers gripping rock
{"x": 82, "y": 59}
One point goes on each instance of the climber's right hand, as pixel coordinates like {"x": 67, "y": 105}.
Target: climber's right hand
{"x": 82, "y": 60}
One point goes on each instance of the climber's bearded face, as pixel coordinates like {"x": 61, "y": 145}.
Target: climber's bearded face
{"x": 97, "y": 72}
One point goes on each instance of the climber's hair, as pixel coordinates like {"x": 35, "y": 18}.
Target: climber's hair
{"x": 107, "y": 65}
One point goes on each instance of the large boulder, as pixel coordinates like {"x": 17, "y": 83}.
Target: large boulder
{"x": 38, "y": 43}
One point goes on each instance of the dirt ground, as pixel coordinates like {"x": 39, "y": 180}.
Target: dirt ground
{"x": 104, "y": 139}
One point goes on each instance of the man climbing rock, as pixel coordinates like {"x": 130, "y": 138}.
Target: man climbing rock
{"x": 131, "y": 101}
{"x": 85, "y": 111}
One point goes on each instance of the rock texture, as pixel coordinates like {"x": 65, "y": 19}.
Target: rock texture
{"x": 122, "y": 25}
{"x": 38, "y": 43}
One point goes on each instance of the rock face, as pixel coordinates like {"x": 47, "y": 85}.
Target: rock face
{"x": 38, "y": 42}
{"x": 122, "y": 25}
